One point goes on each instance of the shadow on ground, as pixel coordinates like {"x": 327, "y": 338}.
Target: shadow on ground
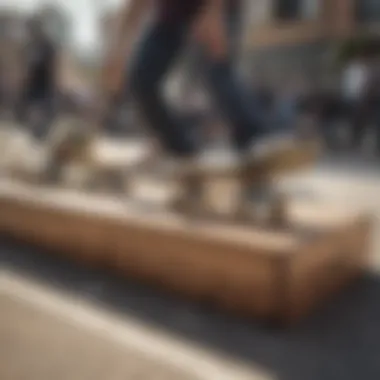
{"x": 341, "y": 342}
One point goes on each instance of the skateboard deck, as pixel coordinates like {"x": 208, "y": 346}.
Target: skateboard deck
{"x": 74, "y": 142}
{"x": 109, "y": 166}
{"x": 275, "y": 275}
{"x": 286, "y": 160}
{"x": 259, "y": 200}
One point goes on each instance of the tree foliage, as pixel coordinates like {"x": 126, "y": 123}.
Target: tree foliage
{"x": 357, "y": 46}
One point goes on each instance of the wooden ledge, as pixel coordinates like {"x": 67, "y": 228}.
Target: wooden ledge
{"x": 270, "y": 274}
{"x": 127, "y": 213}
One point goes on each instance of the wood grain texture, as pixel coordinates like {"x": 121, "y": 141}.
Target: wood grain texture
{"x": 281, "y": 275}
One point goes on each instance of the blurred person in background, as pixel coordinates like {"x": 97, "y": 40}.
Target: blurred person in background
{"x": 36, "y": 106}
{"x": 72, "y": 88}
{"x": 10, "y": 83}
{"x": 288, "y": 102}
{"x": 355, "y": 83}
{"x": 372, "y": 103}
{"x": 3, "y": 74}
{"x": 11, "y": 36}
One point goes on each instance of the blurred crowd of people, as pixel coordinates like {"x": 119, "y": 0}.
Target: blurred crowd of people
{"x": 37, "y": 85}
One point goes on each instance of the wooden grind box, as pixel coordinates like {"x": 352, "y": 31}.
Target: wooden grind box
{"x": 279, "y": 276}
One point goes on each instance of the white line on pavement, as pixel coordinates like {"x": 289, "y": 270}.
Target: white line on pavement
{"x": 128, "y": 332}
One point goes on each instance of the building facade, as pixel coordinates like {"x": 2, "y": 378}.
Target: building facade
{"x": 298, "y": 35}
{"x": 284, "y": 37}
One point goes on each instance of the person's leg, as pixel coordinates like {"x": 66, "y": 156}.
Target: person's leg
{"x": 234, "y": 102}
{"x": 155, "y": 56}
{"x": 234, "y": 20}
{"x": 195, "y": 58}
{"x": 227, "y": 90}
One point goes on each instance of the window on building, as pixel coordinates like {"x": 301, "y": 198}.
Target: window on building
{"x": 310, "y": 8}
{"x": 289, "y": 10}
{"x": 286, "y": 9}
{"x": 368, "y": 10}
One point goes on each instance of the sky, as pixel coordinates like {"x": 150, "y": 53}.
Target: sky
{"x": 84, "y": 14}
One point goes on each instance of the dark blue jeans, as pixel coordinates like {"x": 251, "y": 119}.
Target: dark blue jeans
{"x": 157, "y": 53}
{"x": 233, "y": 19}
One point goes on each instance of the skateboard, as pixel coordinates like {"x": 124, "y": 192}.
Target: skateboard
{"x": 259, "y": 200}
{"x": 73, "y": 147}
